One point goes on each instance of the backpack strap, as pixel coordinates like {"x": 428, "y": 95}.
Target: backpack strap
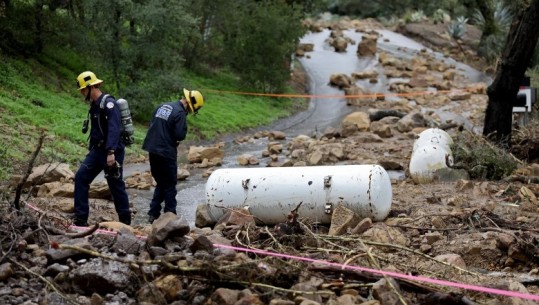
{"x": 86, "y": 123}
{"x": 103, "y": 101}
{"x": 102, "y": 106}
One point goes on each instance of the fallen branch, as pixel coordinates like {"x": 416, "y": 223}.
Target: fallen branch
{"x": 522, "y": 178}
{"x": 364, "y": 276}
{"x": 239, "y": 211}
{"x": 56, "y": 231}
{"x": 377, "y": 266}
{"x": 424, "y": 229}
{"x": 294, "y": 292}
{"x": 372, "y": 243}
{"x": 47, "y": 282}
{"x": 28, "y": 172}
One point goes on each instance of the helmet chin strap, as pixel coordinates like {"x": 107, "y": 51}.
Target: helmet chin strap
{"x": 190, "y": 101}
{"x": 185, "y": 103}
{"x": 194, "y": 111}
{"x": 88, "y": 95}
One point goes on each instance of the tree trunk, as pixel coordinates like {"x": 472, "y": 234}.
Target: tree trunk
{"x": 38, "y": 27}
{"x": 115, "y": 51}
{"x": 502, "y": 93}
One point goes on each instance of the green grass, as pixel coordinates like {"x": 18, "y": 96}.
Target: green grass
{"x": 34, "y": 99}
{"x": 225, "y": 111}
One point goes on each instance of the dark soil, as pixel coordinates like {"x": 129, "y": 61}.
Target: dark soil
{"x": 489, "y": 225}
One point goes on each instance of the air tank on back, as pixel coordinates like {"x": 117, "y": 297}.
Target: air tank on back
{"x": 127, "y": 123}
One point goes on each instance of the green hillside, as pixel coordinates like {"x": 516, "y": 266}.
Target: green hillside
{"x": 37, "y": 97}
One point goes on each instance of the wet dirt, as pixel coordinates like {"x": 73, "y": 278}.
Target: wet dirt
{"x": 327, "y": 108}
{"x": 489, "y": 224}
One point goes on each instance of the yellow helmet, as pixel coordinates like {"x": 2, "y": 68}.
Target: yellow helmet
{"x": 86, "y": 79}
{"x": 194, "y": 100}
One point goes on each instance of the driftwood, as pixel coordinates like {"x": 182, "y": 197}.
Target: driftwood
{"x": 16, "y": 202}
{"x": 382, "y": 113}
{"x": 338, "y": 272}
{"x": 432, "y": 295}
{"x": 56, "y": 231}
{"x": 523, "y": 179}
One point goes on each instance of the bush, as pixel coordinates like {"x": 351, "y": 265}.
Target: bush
{"x": 457, "y": 28}
{"x": 480, "y": 158}
{"x": 440, "y": 16}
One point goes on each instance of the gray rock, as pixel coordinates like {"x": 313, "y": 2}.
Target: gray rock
{"x": 168, "y": 225}
{"x": 55, "y": 268}
{"x": 127, "y": 242}
{"x": 5, "y": 271}
{"x": 157, "y": 251}
{"x": 201, "y": 243}
{"x": 150, "y": 294}
{"x": 104, "y": 276}
{"x": 61, "y": 255}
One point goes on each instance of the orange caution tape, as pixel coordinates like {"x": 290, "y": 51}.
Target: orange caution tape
{"x": 370, "y": 95}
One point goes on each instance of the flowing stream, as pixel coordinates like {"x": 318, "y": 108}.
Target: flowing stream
{"x": 326, "y": 109}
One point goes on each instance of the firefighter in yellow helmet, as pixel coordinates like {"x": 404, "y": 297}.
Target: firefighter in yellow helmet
{"x": 168, "y": 127}
{"x": 106, "y": 150}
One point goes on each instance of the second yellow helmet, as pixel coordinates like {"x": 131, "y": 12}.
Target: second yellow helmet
{"x": 86, "y": 79}
{"x": 194, "y": 98}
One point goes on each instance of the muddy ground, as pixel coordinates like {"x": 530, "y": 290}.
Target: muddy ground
{"x": 481, "y": 232}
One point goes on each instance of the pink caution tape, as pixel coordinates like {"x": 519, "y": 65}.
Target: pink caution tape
{"x": 513, "y": 294}
{"x": 389, "y": 273}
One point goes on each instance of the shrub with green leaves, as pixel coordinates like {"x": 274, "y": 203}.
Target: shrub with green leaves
{"x": 414, "y": 16}
{"x": 418, "y": 16}
{"x": 457, "y": 28}
{"x": 480, "y": 158}
{"x": 494, "y": 28}
{"x": 440, "y": 16}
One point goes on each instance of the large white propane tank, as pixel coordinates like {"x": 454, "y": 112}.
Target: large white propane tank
{"x": 271, "y": 193}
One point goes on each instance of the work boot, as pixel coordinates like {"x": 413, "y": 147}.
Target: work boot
{"x": 151, "y": 219}
{"x": 125, "y": 219}
{"x": 80, "y": 222}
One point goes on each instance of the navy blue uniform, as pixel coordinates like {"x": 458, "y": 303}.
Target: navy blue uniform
{"x": 104, "y": 136}
{"x": 167, "y": 128}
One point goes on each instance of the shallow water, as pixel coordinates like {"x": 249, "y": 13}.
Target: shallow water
{"x": 327, "y": 108}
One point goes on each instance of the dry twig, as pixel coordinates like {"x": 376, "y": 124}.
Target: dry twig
{"x": 56, "y": 231}
{"x": 28, "y": 172}
{"x": 47, "y": 282}
{"x": 377, "y": 266}
{"x": 372, "y": 243}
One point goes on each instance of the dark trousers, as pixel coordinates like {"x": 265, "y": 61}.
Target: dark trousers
{"x": 93, "y": 164}
{"x": 165, "y": 173}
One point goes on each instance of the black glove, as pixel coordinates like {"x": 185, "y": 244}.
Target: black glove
{"x": 114, "y": 171}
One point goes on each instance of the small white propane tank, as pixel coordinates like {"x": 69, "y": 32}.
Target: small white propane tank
{"x": 431, "y": 152}
{"x": 434, "y": 136}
